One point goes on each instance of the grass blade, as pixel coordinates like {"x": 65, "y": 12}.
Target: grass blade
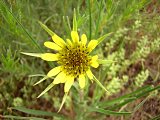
{"x": 156, "y": 118}
{"x": 107, "y": 112}
{"x": 21, "y": 118}
{"x": 36, "y": 112}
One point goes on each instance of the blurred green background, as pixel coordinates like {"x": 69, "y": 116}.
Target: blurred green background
{"x": 134, "y": 45}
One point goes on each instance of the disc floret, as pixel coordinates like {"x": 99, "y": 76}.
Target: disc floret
{"x": 74, "y": 59}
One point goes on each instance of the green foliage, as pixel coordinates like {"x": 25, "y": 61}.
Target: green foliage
{"x": 142, "y": 49}
{"x": 17, "y": 101}
{"x": 9, "y": 61}
{"x": 126, "y": 53}
{"x": 141, "y": 77}
{"x": 116, "y": 84}
{"x": 155, "y": 45}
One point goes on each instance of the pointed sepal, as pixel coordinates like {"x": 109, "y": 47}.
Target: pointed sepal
{"x": 100, "y": 61}
{"x": 32, "y": 54}
{"x": 47, "y": 89}
{"x": 41, "y": 80}
{"x": 50, "y": 32}
{"x": 64, "y": 99}
{"x": 74, "y": 21}
{"x": 97, "y": 81}
{"x": 103, "y": 37}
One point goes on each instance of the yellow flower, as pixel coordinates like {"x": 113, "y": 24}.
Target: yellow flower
{"x": 73, "y": 57}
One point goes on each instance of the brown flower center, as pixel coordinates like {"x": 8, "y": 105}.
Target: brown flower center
{"x": 75, "y": 59}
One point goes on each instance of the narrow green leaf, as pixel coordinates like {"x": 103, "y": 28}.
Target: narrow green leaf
{"x": 74, "y": 21}
{"x": 21, "y": 118}
{"x": 147, "y": 91}
{"x": 97, "y": 81}
{"x": 115, "y": 101}
{"x": 141, "y": 94}
{"x": 103, "y": 37}
{"x": 122, "y": 103}
{"x": 124, "y": 97}
{"x": 36, "y": 112}
{"x": 90, "y": 19}
{"x": 107, "y": 112}
{"x": 50, "y": 32}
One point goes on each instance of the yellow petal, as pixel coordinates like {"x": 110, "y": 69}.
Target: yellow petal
{"x": 59, "y": 41}
{"x": 75, "y": 36}
{"x": 60, "y": 77}
{"x": 44, "y": 56}
{"x": 92, "y": 44}
{"x": 95, "y": 57}
{"x": 64, "y": 78}
{"x": 54, "y": 71}
{"x": 84, "y": 39}
{"x": 95, "y": 64}
{"x": 49, "y": 57}
{"x": 69, "y": 42}
{"x": 69, "y": 82}
{"x": 82, "y": 81}
{"x": 52, "y": 45}
{"x": 89, "y": 74}
{"x": 94, "y": 61}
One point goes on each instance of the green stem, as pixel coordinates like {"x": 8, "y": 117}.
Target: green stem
{"x": 90, "y": 20}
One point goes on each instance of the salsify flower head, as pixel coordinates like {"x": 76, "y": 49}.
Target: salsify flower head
{"x": 73, "y": 57}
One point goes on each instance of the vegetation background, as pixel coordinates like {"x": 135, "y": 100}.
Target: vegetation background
{"x": 133, "y": 79}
